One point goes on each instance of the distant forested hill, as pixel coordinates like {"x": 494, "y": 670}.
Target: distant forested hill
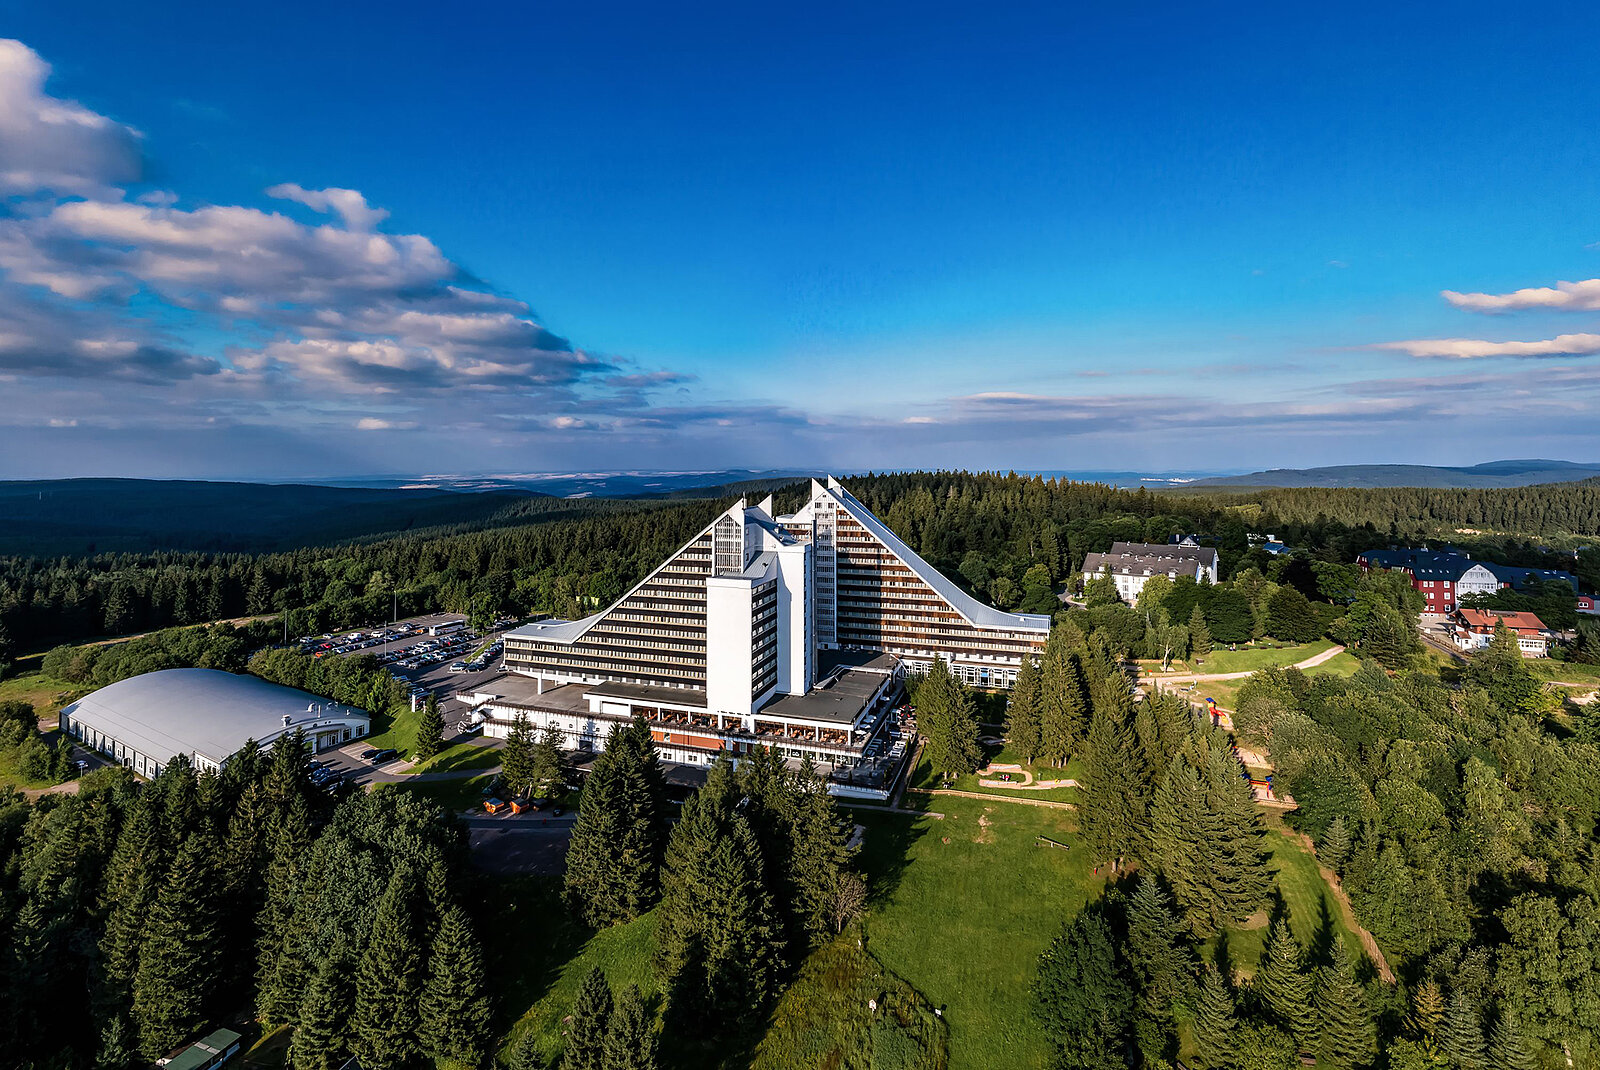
{"x": 1491, "y": 474}
{"x": 73, "y": 517}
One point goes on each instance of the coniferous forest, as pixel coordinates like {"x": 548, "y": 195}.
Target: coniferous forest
{"x": 1009, "y": 538}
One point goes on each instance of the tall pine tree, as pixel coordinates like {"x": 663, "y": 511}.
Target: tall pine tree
{"x": 320, "y": 1040}
{"x": 591, "y": 1020}
{"x": 631, "y": 1041}
{"x": 1461, "y": 1034}
{"x": 179, "y": 970}
{"x": 1024, "y": 727}
{"x": 1283, "y": 985}
{"x": 389, "y": 980}
{"x": 1347, "y": 1033}
{"x": 1215, "y": 1024}
{"x": 430, "y": 730}
{"x": 614, "y": 859}
{"x": 454, "y": 1008}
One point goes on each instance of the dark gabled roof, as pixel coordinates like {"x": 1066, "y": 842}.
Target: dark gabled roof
{"x": 1449, "y": 565}
{"x": 1150, "y": 559}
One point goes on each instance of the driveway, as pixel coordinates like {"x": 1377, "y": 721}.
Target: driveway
{"x": 519, "y": 843}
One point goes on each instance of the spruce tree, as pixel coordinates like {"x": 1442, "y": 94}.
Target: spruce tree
{"x": 320, "y": 1034}
{"x": 614, "y": 857}
{"x": 525, "y": 1053}
{"x": 1461, "y": 1034}
{"x": 1199, "y": 637}
{"x": 1283, "y": 984}
{"x": 516, "y": 760}
{"x": 1158, "y": 950}
{"x": 591, "y": 1021}
{"x": 631, "y": 1041}
{"x": 549, "y": 776}
{"x": 947, "y": 722}
{"x": 117, "y": 1050}
{"x": 719, "y": 946}
{"x": 1081, "y": 995}
{"x": 1507, "y": 1049}
{"x": 1215, "y": 1024}
{"x": 1023, "y": 715}
{"x": 1108, "y": 813}
{"x": 179, "y": 969}
{"x": 281, "y": 966}
{"x": 1348, "y": 1036}
{"x": 1335, "y": 846}
{"x": 1427, "y": 1010}
{"x": 132, "y": 878}
{"x": 430, "y": 731}
{"x": 1063, "y": 696}
{"x": 388, "y": 980}
{"x": 454, "y": 1009}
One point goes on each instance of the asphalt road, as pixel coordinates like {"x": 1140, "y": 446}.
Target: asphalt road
{"x": 519, "y": 843}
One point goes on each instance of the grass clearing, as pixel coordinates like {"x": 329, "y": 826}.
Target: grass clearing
{"x": 469, "y": 754}
{"x": 1265, "y": 654}
{"x": 1546, "y": 669}
{"x": 824, "y": 1019}
{"x": 924, "y": 777}
{"x": 458, "y": 796}
{"x": 961, "y": 909}
{"x": 45, "y": 694}
{"x": 395, "y": 731}
{"x": 540, "y": 956}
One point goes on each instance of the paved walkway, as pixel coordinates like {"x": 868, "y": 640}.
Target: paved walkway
{"x": 1200, "y": 678}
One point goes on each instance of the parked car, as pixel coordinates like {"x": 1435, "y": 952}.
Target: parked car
{"x": 385, "y": 756}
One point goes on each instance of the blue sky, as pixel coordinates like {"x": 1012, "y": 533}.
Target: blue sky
{"x": 635, "y": 236}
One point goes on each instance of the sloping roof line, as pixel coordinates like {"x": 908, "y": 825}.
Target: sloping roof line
{"x": 573, "y": 630}
{"x": 975, "y": 612}
{"x": 1518, "y": 621}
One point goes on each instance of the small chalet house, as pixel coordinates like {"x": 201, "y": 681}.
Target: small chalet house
{"x": 1473, "y": 628}
{"x": 1587, "y": 604}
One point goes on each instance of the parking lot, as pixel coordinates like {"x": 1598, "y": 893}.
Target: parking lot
{"x": 424, "y": 663}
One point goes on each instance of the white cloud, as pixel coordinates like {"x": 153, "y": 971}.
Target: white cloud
{"x": 372, "y": 423}
{"x": 1564, "y": 345}
{"x": 349, "y": 204}
{"x": 47, "y": 143}
{"x": 1571, "y": 296}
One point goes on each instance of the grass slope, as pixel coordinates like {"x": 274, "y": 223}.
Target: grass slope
{"x": 826, "y": 1018}
{"x": 540, "y": 956}
{"x": 961, "y": 909}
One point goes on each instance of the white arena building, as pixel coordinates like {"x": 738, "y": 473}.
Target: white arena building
{"x": 145, "y": 721}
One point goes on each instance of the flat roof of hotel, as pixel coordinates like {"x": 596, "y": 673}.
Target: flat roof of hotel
{"x": 839, "y": 703}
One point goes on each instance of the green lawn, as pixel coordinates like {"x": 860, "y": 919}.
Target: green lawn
{"x": 1265, "y": 655}
{"x": 395, "y": 732}
{"x": 456, "y": 795}
{"x": 1548, "y": 669}
{"x": 825, "y": 1019}
{"x": 468, "y": 754}
{"x": 539, "y": 957}
{"x": 962, "y": 908}
{"x": 923, "y": 776}
{"x": 45, "y": 693}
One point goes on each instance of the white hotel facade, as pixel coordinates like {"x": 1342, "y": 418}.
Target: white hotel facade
{"x": 789, "y": 631}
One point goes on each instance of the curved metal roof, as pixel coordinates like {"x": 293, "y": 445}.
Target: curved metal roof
{"x": 201, "y": 711}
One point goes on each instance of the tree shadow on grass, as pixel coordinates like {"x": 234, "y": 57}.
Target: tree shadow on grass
{"x": 534, "y": 939}
{"x": 887, "y": 850}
